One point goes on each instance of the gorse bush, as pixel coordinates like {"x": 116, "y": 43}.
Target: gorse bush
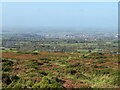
{"x": 47, "y": 82}
{"x": 6, "y": 65}
{"x": 33, "y": 64}
{"x": 35, "y": 53}
{"x": 43, "y": 73}
{"x": 8, "y": 78}
{"x": 104, "y": 81}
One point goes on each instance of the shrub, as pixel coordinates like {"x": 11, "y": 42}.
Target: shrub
{"x": 35, "y": 53}
{"x": 17, "y": 85}
{"x": 43, "y": 73}
{"x": 47, "y": 83}
{"x": 71, "y": 71}
{"x": 34, "y": 64}
{"x": 6, "y": 65}
{"x": 6, "y": 78}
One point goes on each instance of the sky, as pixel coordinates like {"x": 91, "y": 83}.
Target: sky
{"x": 59, "y": 0}
{"x": 60, "y": 14}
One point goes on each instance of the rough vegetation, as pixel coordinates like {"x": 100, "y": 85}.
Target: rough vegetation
{"x": 59, "y": 70}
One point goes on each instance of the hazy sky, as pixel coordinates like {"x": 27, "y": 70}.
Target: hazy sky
{"x": 30, "y": 15}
